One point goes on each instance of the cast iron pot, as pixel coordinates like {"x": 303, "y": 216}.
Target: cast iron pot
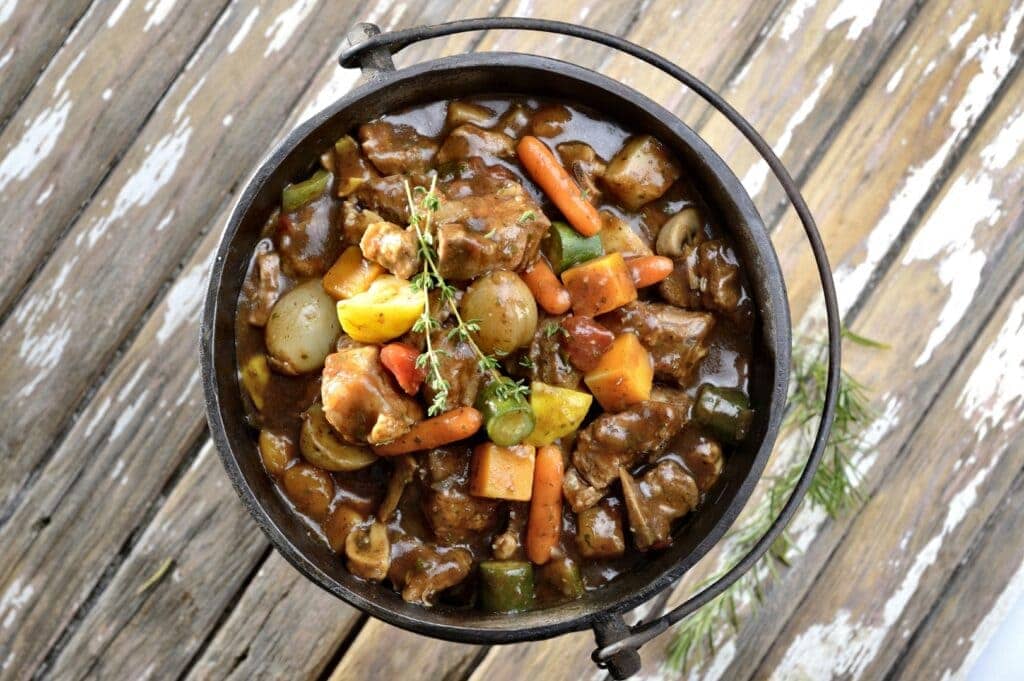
{"x": 385, "y": 90}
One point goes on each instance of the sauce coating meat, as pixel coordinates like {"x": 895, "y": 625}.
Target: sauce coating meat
{"x": 495, "y": 351}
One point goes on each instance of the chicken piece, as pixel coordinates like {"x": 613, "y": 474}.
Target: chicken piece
{"x": 469, "y": 140}
{"x": 676, "y": 339}
{"x": 459, "y": 366}
{"x": 548, "y": 355}
{"x": 579, "y": 494}
{"x": 264, "y": 290}
{"x": 583, "y": 163}
{"x": 386, "y": 196}
{"x": 599, "y": 533}
{"x": 620, "y": 440}
{"x": 393, "y": 248}
{"x": 640, "y": 172}
{"x": 355, "y": 220}
{"x": 452, "y": 513}
{"x": 395, "y": 149}
{"x": 664, "y": 493}
{"x": 359, "y": 400}
{"x": 426, "y": 570}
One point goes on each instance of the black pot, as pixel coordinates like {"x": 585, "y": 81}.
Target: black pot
{"x": 387, "y": 90}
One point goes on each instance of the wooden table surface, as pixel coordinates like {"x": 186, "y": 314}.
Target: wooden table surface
{"x": 127, "y": 129}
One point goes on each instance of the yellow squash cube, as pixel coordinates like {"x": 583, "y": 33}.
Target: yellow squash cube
{"x": 556, "y": 412}
{"x": 384, "y": 311}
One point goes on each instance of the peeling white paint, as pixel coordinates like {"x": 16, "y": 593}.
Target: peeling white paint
{"x": 158, "y": 11}
{"x": 14, "y": 599}
{"x": 243, "y": 30}
{"x": 983, "y": 633}
{"x": 45, "y": 194}
{"x": 860, "y": 13}
{"x": 756, "y": 177}
{"x": 894, "y": 80}
{"x": 6, "y": 57}
{"x": 107, "y": 94}
{"x": 182, "y": 107}
{"x": 284, "y": 26}
{"x": 995, "y": 56}
{"x": 228, "y": 120}
{"x": 340, "y": 82}
{"x": 790, "y": 21}
{"x": 183, "y": 301}
{"x": 127, "y": 415}
{"x": 117, "y": 469}
{"x": 164, "y": 221}
{"x": 98, "y": 416}
{"x": 36, "y": 142}
{"x": 117, "y": 13}
{"x": 958, "y": 34}
{"x": 129, "y": 387}
{"x": 993, "y": 395}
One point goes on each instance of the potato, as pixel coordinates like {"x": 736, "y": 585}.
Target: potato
{"x": 618, "y": 237}
{"x": 276, "y": 451}
{"x": 302, "y": 329}
{"x": 310, "y": 489}
{"x": 556, "y": 412}
{"x": 505, "y": 309}
{"x": 384, "y": 311}
{"x": 321, "y": 445}
{"x": 255, "y": 377}
{"x": 640, "y": 172}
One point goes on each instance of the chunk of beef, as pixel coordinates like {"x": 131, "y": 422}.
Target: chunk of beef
{"x": 452, "y": 513}
{"x": 359, "y": 400}
{"x": 620, "y": 440}
{"x": 676, "y": 339}
{"x": 460, "y": 112}
{"x": 580, "y": 494}
{"x": 458, "y": 365}
{"x": 469, "y": 140}
{"x": 673, "y": 396}
{"x": 708, "y": 275}
{"x": 550, "y": 120}
{"x": 514, "y": 121}
{"x": 386, "y": 197}
{"x": 264, "y": 290}
{"x": 599, "y": 531}
{"x": 393, "y": 248}
{"x": 664, "y": 493}
{"x": 305, "y": 240}
{"x": 355, "y": 220}
{"x": 396, "y": 149}
{"x": 640, "y": 172}
{"x": 700, "y": 453}
{"x": 583, "y": 163}
{"x": 486, "y": 222}
{"x": 351, "y": 167}
{"x": 424, "y": 570}
{"x": 508, "y": 544}
{"x": 549, "y": 355}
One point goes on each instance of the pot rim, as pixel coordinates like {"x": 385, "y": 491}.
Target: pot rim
{"x": 575, "y": 616}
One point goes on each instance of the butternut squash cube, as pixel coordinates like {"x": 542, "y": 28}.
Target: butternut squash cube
{"x": 624, "y": 374}
{"x": 502, "y": 472}
{"x": 599, "y": 285}
{"x": 350, "y": 274}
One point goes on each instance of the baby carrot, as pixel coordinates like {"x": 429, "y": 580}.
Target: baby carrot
{"x": 545, "y": 522}
{"x": 647, "y": 270}
{"x": 556, "y": 182}
{"x": 546, "y": 288}
{"x": 451, "y": 426}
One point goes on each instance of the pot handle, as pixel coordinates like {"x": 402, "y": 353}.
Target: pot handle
{"x": 619, "y": 643}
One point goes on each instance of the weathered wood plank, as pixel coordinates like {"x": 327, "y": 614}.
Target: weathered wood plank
{"x": 147, "y": 216}
{"x": 381, "y": 651}
{"x": 155, "y": 632}
{"x": 283, "y": 626}
{"x": 988, "y": 583}
{"x": 151, "y": 404}
{"x": 906, "y": 308}
{"x": 82, "y": 114}
{"x": 30, "y": 34}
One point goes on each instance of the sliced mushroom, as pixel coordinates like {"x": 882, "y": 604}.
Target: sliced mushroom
{"x": 404, "y": 468}
{"x": 680, "y": 230}
{"x": 369, "y": 552}
{"x": 339, "y": 524}
{"x": 323, "y": 447}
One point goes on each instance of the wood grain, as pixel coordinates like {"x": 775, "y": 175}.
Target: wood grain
{"x": 974, "y": 603}
{"x": 907, "y": 305}
{"x": 30, "y": 34}
{"x": 138, "y": 229}
{"x": 81, "y": 116}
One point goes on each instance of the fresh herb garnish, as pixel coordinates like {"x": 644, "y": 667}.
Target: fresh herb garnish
{"x": 552, "y": 328}
{"x": 527, "y": 216}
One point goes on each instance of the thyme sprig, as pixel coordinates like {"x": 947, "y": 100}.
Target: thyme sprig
{"x": 430, "y": 279}
{"x": 834, "y": 489}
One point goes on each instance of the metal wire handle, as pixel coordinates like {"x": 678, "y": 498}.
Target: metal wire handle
{"x": 619, "y": 654}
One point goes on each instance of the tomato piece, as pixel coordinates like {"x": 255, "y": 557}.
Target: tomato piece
{"x": 587, "y": 341}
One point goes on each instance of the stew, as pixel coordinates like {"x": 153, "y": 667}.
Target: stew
{"x": 495, "y": 350}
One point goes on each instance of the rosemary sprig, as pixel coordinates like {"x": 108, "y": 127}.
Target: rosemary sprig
{"x": 430, "y": 279}
{"x": 834, "y": 489}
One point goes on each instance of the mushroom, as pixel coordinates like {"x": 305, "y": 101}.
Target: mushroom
{"x": 681, "y": 229}
{"x": 401, "y": 475}
{"x": 369, "y": 552}
{"x": 322, "y": 446}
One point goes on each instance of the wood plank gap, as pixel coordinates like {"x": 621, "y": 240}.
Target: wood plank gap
{"x": 42, "y": 69}
{"x": 343, "y": 647}
{"x": 473, "y": 664}
{"x": 23, "y": 286}
{"x": 110, "y": 570}
{"x": 991, "y": 523}
{"x": 946, "y": 172}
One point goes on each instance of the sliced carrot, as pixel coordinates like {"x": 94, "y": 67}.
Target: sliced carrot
{"x": 451, "y": 426}
{"x": 648, "y": 270}
{"x": 545, "y": 521}
{"x": 400, "y": 360}
{"x": 558, "y": 184}
{"x": 546, "y": 288}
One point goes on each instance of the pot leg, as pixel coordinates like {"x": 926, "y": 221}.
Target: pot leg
{"x": 625, "y": 663}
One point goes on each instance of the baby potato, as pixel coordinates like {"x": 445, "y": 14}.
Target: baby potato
{"x": 310, "y": 489}
{"x": 505, "y": 309}
{"x": 302, "y": 329}
{"x": 384, "y": 311}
